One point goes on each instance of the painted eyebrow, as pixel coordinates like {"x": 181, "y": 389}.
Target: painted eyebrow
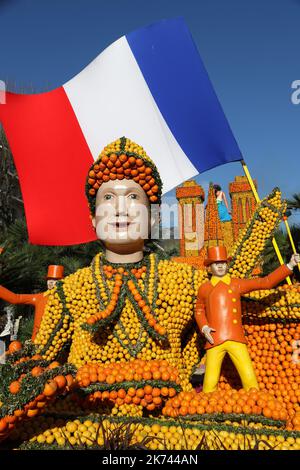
{"x": 125, "y": 191}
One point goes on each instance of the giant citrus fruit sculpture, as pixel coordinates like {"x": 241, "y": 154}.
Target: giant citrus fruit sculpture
{"x": 128, "y": 342}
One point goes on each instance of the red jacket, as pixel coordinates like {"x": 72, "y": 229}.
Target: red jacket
{"x": 220, "y": 308}
{"x": 38, "y": 300}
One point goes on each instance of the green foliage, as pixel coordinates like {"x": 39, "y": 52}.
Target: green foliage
{"x": 25, "y": 328}
{"x": 23, "y": 267}
{"x": 103, "y": 386}
{"x": 11, "y": 204}
{"x": 294, "y": 203}
{"x": 269, "y": 256}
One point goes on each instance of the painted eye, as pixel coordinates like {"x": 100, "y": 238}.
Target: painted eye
{"x": 133, "y": 196}
{"x": 107, "y": 197}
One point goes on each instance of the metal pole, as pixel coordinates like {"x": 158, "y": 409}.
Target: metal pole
{"x": 252, "y": 185}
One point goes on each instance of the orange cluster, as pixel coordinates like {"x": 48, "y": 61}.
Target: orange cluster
{"x": 113, "y": 166}
{"x": 53, "y": 387}
{"x": 112, "y": 303}
{"x": 277, "y": 367}
{"x": 148, "y": 396}
{"x": 110, "y": 271}
{"x": 196, "y": 261}
{"x": 58, "y": 383}
{"x": 145, "y": 309}
{"x": 231, "y": 401}
{"x": 118, "y": 372}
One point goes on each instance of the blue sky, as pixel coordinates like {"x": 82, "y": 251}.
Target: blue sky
{"x": 250, "y": 50}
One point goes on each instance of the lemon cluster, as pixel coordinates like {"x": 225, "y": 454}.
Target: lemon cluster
{"x": 160, "y": 436}
{"x": 127, "y": 410}
{"x": 280, "y": 303}
{"x": 55, "y": 329}
{"x": 252, "y": 240}
{"x": 127, "y": 146}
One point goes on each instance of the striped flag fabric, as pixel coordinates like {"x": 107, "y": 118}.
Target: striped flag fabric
{"x": 150, "y": 86}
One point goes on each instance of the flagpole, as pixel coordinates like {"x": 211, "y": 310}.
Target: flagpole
{"x": 285, "y": 220}
{"x": 256, "y": 196}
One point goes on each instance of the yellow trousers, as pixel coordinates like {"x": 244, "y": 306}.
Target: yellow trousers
{"x": 239, "y": 355}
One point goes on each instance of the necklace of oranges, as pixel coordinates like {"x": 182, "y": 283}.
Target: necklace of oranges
{"x": 123, "y": 280}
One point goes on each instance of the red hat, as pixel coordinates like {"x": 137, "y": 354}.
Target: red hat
{"x": 55, "y": 271}
{"x": 216, "y": 253}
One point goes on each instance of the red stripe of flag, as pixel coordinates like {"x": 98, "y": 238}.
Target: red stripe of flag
{"x": 52, "y": 159}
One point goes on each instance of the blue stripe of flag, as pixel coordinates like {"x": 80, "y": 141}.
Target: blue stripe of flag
{"x": 175, "y": 74}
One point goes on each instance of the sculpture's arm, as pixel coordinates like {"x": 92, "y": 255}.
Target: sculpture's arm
{"x": 56, "y": 328}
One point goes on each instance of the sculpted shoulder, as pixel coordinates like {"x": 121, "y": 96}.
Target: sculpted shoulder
{"x": 170, "y": 271}
{"x": 173, "y": 271}
{"x": 75, "y": 282}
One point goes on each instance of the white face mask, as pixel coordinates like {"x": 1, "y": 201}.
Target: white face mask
{"x": 219, "y": 268}
{"x": 122, "y": 212}
{"x": 51, "y": 283}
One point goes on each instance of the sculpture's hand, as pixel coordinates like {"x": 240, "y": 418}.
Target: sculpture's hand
{"x": 295, "y": 259}
{"x": 206, "y": 330}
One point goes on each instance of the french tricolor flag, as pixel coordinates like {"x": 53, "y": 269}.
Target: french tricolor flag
{"x": 150, "y": 86}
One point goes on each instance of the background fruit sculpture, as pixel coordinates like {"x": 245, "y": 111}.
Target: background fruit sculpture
{"x": 133, "y": 348}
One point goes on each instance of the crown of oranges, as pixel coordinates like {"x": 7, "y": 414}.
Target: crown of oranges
{"x": 124, "y": 159}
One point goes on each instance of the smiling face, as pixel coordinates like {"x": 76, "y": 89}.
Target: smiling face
{"x": 122, "y": 213}
{"x": 219, "y": 268}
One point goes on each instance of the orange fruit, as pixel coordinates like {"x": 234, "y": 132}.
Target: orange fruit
{"x": 32, "y": 412}
{"x": 61, "y": 381}
{"x": 36, "y": 371}
{"x": 113, "y": 395}
{"x": 131, "y": 391}
{"x": 121, "y": 393}
{"x": 140, "y": 392}
{"x": 110, "y": 379}
{"x": 156, "y": 375}
{"x": 53, "y": 365}
{"x": 14, "y": 346}
{"x": 3, "y": 425}
{"x": 157, "y": 400}
{"x": 165, "y": 376}
{"x": 165, "y": 391}
{"x": 148, "y": 389}
{"x": 172, "y": 393}
{"x": 50, "y": 388}
{"x": 226, "y": 408}
{"x": 14, "y": 387}
{"x": 267, "y": 412}
{"x": 200, "y": 409}
{"x": 136, "y": 400}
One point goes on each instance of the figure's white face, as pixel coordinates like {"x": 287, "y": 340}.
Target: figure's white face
{"x": 122, "y": 212}
{"x": 51, "y": 283}
{"x": 219, "y": 268}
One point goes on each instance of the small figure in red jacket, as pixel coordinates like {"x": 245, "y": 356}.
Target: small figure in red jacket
{"x": 55, "y": 273}
{"x": 219, "y": 316}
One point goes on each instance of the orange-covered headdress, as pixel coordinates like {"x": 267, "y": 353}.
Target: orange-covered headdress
{"x": 123, "y": 159}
